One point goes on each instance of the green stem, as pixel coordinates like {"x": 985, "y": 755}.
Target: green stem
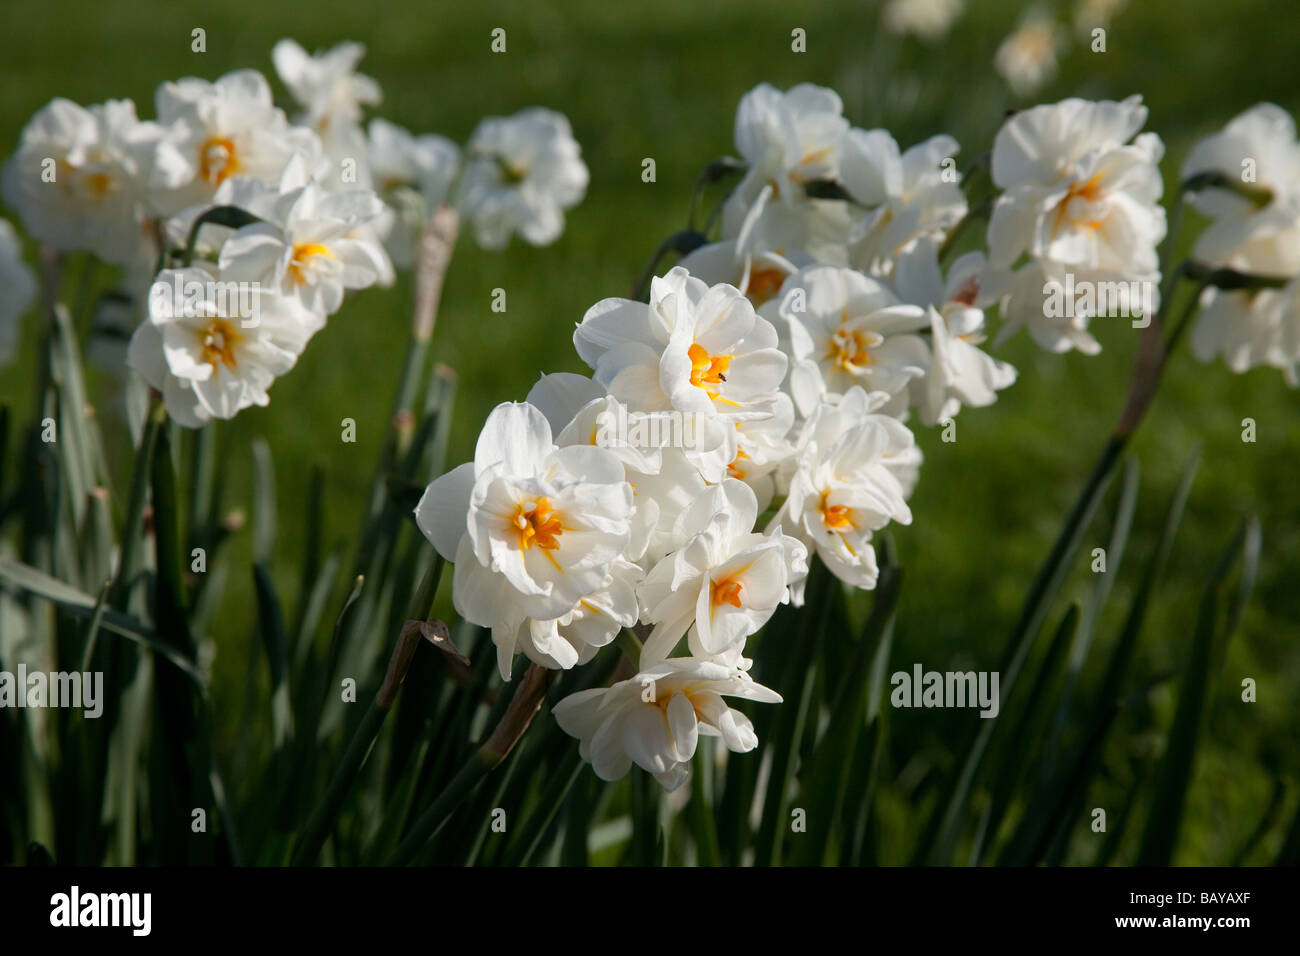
{"x": 514, "y": 722}
{"x": 353, "y": 758}
{"x": 137, "y": 498}
{"x": 373, "y": 721}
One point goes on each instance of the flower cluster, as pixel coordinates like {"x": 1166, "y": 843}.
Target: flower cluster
{"x": 745, "y": 418}
{"x": 1249, "y": 179}
{"x": 253, "y": 225}
{"x": 751, "y": 415}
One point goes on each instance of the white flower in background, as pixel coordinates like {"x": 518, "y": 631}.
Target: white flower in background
{"x": 746, "y": 261}
{"x": 312, "y": 246}
{"x": 694, "y": 348}
{"x": 789, "y": 140}
{"x": 758, "y": 276}
{"x": 1257, "y": 148}
{"x": 655, "y": 719}
{"x": 533, "y": 529}
{"x": 1027, "y": 58}
{"x": 399, "y": 160}
{"x": 1251, "y": 328}
{"x": 19, "y": 285}
{"x": 228, "y": 128}
{"x": 910, "y": 195}
{"x": 413, "y": 175}
{"x": 331, "y": 93}
{"x": 1082, "y": 188}
{"x": 78, "y": 176}
{"x": 724, "y": 582}
{"x": 1090, "y": 15}
{"x": 845, "y": 329}
{"x": 855, "y": 469}
{"x": 927, "y": 19}
{"x": 1023, "y": 298}
{"x": 215, "y": 354}
{"x": 521, "y": 173}
{"x": 960, "y": 372}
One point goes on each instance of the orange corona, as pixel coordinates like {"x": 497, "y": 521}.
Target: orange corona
{"x": 707, "y": 370}
{"x": 538, "y": 524}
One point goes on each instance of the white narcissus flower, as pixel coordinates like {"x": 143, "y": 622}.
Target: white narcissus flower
{"x": 1056, "y": 303}
{"x": 1090, "y": 15}
{"x": 398, "y": 159}
{"x": 960, "y": 372}
{"x": 78, "y": 178}
{"x": 326, "y": 85}
{"x": 724, "y": 582}
{"x": 214, "y": 355}
{"x": 214, "y": 131}
{"x": 757, "y": 275}
{"x": 855, "y": 469}
{"x": 19, "y": 284}
{"x": 790, "y": 139}
{"x": 521, "y": 173}
{"x": 312, "y": 246}
{"x": 927, "y": 19}
{"x": 533, "y": 529}
{"x": 1257, "y": 148}
{"x": 413, "y": 175}
{"x": 1027, "y": 58}
{"x": 254, "y": 196}
{"x": 662, "y": 496}
{"x": 909, "y": 195}
{"x": 574, "y": 638}
{"x": 331, "y": 94}
{"x": 845, "y": 329}
{"x": 655, "y": 719}
{"x": 1251, "y": 328}
{"x": 747, "y": 261}
{"x": 694, "y": 349}
{"x": 1082, "y": 188}
{"x": 763, "y": 447}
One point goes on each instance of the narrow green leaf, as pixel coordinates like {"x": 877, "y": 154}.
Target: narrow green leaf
{"x": 1174, "y": 778}
{"x": 1050, "y": 577}
{"x": 77, "y": 602}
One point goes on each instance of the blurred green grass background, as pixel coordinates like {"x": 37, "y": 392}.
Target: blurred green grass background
{"x": 663, "y": 81}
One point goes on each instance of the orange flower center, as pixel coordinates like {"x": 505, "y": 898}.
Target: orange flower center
{"x": 100, "y": 185}
{"x": 736, "y": 469}
{"x": 853, "y": 349}
{"x": 537, "y": 523}
{"x": 219, "y": 338}
{"x": 967, "y": 294}
{"x": 764, "y": 284}
{"x": 837, "y": 517}
{"x": 217, "y": 160}
{"x": 301, "y": 254}
{"x": 1089, "y": 191}
{"x": 726, "y": 591}
{"x": 707, "y": 369}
